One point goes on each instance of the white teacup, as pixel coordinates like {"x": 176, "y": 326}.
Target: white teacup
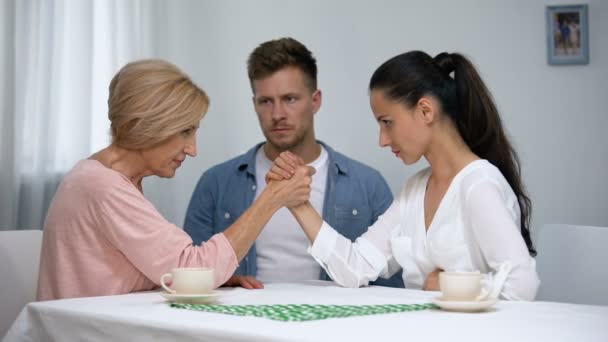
{"x": 189, "y": 280}
{"x": 460, "y": 286}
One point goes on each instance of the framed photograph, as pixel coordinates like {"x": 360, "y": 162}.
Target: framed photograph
{"x": 567, "y": 34}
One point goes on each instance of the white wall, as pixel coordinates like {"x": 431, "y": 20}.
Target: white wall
{"x": 556, "y": 115}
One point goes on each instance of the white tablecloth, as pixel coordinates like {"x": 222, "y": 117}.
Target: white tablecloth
{"x": 147, "y": 317}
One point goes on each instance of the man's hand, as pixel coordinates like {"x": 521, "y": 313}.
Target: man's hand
{"x": 247, "y": 282}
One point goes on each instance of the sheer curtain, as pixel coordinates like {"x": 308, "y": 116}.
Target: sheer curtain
{"x": 57, "y": 59}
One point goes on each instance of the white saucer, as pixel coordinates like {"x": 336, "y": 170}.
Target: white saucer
{"x": 206, "y": 298}
{"x": 463, "y": 306}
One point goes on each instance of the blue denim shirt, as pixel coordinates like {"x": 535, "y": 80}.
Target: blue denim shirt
{"x": 355, "y": 196}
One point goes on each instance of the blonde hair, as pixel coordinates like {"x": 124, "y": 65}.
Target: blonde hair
{"x": 150, "y": 101}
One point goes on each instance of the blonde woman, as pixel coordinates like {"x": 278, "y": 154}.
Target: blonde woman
{"x": 102, "y": 236}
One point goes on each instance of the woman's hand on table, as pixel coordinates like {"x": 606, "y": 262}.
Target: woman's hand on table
{"x": 432, "y": 281}
{"x": 247, "y": 282}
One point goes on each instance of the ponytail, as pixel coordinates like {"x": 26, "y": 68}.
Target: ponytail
{"x": 465, "y": 99}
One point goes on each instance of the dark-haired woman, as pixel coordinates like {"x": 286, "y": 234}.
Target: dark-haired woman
{"x": 467, "y": 211}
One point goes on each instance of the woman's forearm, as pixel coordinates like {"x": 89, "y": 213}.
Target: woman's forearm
{"x": 243, "y": 232}
{"x": 309, "y": 219}
{"x": 246, "y": 229}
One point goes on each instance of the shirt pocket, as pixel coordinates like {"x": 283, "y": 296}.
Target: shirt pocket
{"x": 353, "y": 221}
{"x": 225, "y": 216}
{"x": 448, "y": 249}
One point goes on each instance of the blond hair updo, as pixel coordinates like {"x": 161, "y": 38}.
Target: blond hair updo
{"x": 150, "y": 101}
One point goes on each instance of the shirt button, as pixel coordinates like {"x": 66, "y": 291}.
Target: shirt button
{"x": 227, "y": 215}
{"x": 253, "y": 187}
{"x": 355, "y": 212}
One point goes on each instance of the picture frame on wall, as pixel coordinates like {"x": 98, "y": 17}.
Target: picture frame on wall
{"x": 567, "y": 34}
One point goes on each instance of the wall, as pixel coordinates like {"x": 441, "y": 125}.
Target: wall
{"x": 555, "y": 115}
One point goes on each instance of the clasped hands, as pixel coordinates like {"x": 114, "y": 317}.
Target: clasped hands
{"x": 289, "y": 179}
{"x": 289, "y": 172}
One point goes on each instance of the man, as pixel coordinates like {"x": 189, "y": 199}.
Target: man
{"x": 351, "y": 196}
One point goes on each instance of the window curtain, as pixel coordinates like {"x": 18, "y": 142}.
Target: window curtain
{"x": 57, "y": 60}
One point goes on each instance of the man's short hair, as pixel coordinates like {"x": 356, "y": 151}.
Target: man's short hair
{"x": 274, "y": 55}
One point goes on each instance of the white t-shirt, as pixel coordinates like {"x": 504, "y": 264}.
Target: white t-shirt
{"x": 281, "y": 247}
{"x": 475, "y": 227}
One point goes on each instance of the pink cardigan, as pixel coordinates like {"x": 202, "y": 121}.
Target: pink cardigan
{"x": 102, "y": 237}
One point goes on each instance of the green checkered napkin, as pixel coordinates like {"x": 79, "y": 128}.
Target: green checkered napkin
{"x": 305, "y": 312}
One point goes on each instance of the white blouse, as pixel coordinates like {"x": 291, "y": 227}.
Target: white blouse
{"x": 475, "y": 227}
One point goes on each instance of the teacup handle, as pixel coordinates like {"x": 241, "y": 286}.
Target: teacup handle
{"x": 162, "y": 283}
{"x": 492, "y": 284}
{"x": 483, "y": 295}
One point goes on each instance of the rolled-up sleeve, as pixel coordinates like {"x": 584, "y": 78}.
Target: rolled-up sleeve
{"x": 355, "y": 264}
{"x": 154, "y": 245}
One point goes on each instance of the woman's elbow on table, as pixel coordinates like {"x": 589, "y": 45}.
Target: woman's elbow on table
{"x": 522, "y": 286}
{"x": 350, "y": 280}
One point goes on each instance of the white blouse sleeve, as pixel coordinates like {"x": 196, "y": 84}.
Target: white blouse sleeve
{"x": 355, "y": 264}
{"x": 496, "y": 230}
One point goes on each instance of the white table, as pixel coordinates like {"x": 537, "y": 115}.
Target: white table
{"x": 147, "y": 317}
